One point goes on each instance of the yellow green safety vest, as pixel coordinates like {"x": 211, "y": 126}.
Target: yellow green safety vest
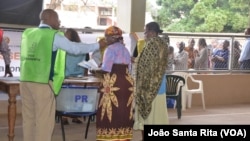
{"x": 39, "y": 63}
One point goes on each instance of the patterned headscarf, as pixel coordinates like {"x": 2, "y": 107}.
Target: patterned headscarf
{"x": 113, "y": 31}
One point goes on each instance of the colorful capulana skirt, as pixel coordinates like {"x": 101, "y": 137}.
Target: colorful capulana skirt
{"x": 114, "y": 119}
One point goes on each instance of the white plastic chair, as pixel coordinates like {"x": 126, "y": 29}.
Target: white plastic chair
{"x": 187, "y": 93}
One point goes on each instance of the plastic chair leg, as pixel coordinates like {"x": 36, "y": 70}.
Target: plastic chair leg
{"x": 179, "y": 107}
{"x": 203, "y": 101}
{"x": 189, "y": 100}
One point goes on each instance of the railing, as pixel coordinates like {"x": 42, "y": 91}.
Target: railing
{"x": 174, "y": 38}
{"x": 231, "y": 37}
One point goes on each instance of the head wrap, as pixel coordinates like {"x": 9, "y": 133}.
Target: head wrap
{"x": 113, "y": 31}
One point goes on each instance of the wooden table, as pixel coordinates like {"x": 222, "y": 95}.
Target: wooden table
{"x": 10, "y": 85}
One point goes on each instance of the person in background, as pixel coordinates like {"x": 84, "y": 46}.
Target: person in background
{"x": 244, "y": 59}
{"x": 201, "y": 55}
{"x": 170, "y": 65}
{"x": 114, "y": 118}
{"x": 5, "y": 52}
{"x": 139, "y": 46}
{"x": 42, "y": 72}
{"x": 181, "y": 58}
{"x": 6, "y": 39}
{"x": 150, "y": 80}
{"x": 213, "y": 47}
{"x": 72, "y": 69}
{"x": 98, "y": 54}
{"x": 137, "y": 51}
{"x": 220, "y": 58}
{"x": 177, "y": 44}
{"x": 190, "y": 50}
{"x": 236, "y": 55}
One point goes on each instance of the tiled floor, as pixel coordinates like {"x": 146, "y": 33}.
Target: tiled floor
{"x": 229, "y": 114}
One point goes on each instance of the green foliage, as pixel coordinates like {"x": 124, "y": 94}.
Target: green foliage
{"x": 176, "y": 9}
{"x": 199, "y": 11}
{"x": 204, "y": 15}
{"x": 239, "y": 22}
{"x": 179, "y": 26}
{"x": 164, "y": 20}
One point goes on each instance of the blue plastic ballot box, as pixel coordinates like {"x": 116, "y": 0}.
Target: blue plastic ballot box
{"x": 77, "y": 99}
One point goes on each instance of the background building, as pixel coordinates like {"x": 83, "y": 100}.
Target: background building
{"x": 80, "y": 14}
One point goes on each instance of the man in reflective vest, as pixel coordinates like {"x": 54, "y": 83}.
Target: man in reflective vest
{"x": 42, "y": 73}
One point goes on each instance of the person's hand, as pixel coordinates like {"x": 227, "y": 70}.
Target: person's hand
{"x": 102, "y": 42}
{"x": 97, "y": 72}
{"x": 214, "y": 58}
{"x": 8, "y": 72}
{"x": 92, "y": 71}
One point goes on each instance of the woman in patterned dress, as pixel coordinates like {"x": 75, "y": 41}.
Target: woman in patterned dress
{"x": 150, "y": 80}
{"x": 114, "y": 115}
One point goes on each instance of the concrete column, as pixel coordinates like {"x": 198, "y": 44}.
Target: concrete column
{"x": 131, "y": 15}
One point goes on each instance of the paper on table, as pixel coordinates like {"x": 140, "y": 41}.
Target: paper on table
{"x": 91, "y": 64}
